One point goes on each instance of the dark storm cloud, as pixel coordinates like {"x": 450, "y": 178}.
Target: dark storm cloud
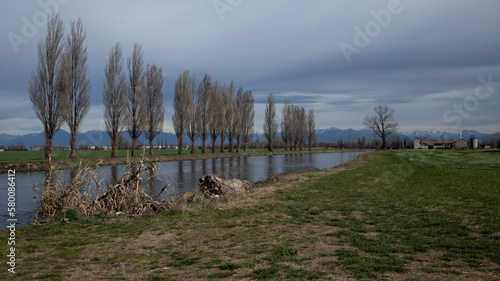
{"x": 422, "y": 60}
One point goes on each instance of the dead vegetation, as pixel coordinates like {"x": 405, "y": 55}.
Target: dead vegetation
{"x": 90, "y": 196}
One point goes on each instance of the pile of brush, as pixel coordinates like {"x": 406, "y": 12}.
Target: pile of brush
{"x": 91, "y": 196}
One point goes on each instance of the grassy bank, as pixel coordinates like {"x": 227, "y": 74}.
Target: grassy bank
{"x": 394, "y": 215}
{"x": 34, "y": 160}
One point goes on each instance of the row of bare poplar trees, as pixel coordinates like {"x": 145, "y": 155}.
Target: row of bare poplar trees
{"x": 296, "y": 125}
{"x": 134, "y": 104}
{"x": 204, "y": 109}
{"x": 60, "y": 89}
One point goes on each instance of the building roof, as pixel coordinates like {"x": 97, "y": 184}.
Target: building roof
{"x": 433, "y": 142}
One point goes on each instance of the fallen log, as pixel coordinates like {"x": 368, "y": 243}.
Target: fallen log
{"x": 213, "y": 185}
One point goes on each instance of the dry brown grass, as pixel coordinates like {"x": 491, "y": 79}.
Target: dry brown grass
{"x": 90, "y": 196}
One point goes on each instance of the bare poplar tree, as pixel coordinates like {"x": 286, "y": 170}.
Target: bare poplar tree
{"x": 46, "y": 87}
{"x": 203, "y": 93}
{"x": 214, "y": 112}
{"x": 239, "y": 102}
{"x": 231, "y": 115}
{"x": 311, "y": 128}
{"x": 287, "y": 124}
{"x": 301, "y": 126}
{"x": 78, "y": 88}
{"x": 248, "y": 115}
{"x": 154, "y": 110}
{"x": 183, "y": 104}
{"x": 194, "y": 124}
{"x": 114, "y": 97}
{"x": 270, "y": 122}
{"x": 292, "y": 133}
{"x": 382, "y": 124}
{"x": 225, "y": 114}
{"x": 135, "y": 112}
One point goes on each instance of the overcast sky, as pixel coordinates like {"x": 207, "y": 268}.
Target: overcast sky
{"x": 437, "y": 63}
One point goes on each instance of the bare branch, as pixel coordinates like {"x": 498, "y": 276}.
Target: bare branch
{"x": 136, "y": 110}
{"x": 382, "y": 124}
{"x": 154, "y": 104}
{"x": 114, "y": 97}
{"x": 47, "y": 85}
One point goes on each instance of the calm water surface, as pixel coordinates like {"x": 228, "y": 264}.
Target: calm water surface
{"x": 185, "y": 174}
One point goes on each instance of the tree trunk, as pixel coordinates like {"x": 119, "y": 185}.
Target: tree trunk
{"x": 230, "y": 144}
{"x": 151, "y": 146}
{"x": 180, "y": 144}
{"x": 213, "y": 144}
{"x": 48, "y": 147}
{"x": 114, "y": 146}
{"x": 213, "y": 185}
{"x": 222, "y": 144}
{"x": 134, "y": 144}
{"x": 72, "y": 143}
{"x": 204, "y": 145}
{"x": 193, "y": 147}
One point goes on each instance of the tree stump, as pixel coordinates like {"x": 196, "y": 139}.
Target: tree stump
{"x": 213, "y": 185}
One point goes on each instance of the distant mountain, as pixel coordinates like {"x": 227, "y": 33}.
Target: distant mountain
{"x": 97, "y": 137}
{"x": 437, "y": 135}
{"x": 334, "y": 134}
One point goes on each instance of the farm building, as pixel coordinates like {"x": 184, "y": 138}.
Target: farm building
{"x": 434, "y": 144}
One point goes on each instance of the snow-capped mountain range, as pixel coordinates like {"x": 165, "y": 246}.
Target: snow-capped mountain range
{"x": 324, "y": 135}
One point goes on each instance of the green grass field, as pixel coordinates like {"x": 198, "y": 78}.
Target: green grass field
{"x": 92, "y": 154}
{"x": 412, "y": 215}
{"x": 13, "y": 156}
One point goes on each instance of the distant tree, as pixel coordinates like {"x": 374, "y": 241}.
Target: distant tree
{"x": 203, "y": 97}
{"x": 299, "y": 126}
{"x": 226, "y": 114}
{"x": 394, "y": 142}
{"x": 20, "y": 146}
{"x": 183, "y": 107}
{"x": 84, "y": 146}
{"x": 232, "y": 116}
{"x": 239, "y": 104}
{"x": 135, "y": 113}
{"x": 78, "y": 87}
{"x": 123, "y": 143}
{"x": 47, "y": 84}
{"x": 363, "y": 143}
{"x": 154, "y": 110}
{"x": 287, "y": 124}
{"x": 382, "y": 124}
{"x": 248, "y": 116}
{"x": 311, "y": 128}
{"x": 270, "y": 123}
{"x": 214, "y": 112}
{"x": 114, "y": 97}
{"x": 194, "y": 124}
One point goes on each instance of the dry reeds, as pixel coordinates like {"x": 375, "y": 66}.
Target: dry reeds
{"x": 89, "y": 195}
